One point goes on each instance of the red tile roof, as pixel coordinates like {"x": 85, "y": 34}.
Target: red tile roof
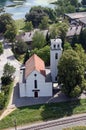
{"x": 34, "y": 63}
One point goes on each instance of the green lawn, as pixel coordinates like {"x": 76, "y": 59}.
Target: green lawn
{"x": 76, "y": 128}
{"x": 43, "y": 112}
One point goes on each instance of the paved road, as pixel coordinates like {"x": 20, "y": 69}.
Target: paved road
{"x": 8, "y": 57}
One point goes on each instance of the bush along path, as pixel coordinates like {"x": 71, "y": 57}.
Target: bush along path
{"x": 9, "y": 106}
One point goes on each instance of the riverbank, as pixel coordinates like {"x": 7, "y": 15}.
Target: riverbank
{"x": 21, "y": 8}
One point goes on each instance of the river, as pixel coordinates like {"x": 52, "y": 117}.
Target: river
{"x": 18, "y": 8}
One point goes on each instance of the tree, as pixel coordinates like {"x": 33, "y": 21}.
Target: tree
{"x": 1, "y": 48}
{"x": 38, "y": 40}
{"x": 10, "y": 32}
{"x": 43, "y": 53}
{"x": 71, "y": 73}
{"x": 8, "y": 72}
{"x": 37, "y": 13}
{"x": 82, "y": 38}
{"x": 5, "y": 19}
{"x": 74, "y": 40}
{"x": 65, "y": 6}
{"x": 20, "y": 47}
{"x": 74, "y": 2}
{"x": 60, "y": 30}
{"x": 2, "y": 100}
{"x": 83, "y": 2}
{"x": 67, "y": 46}
{"x": 44, "y": 23}
{"x": 28, "y": 26}
{"x": 26, "y": 57}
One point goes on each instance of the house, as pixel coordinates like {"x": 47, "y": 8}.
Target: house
{"x": 74, "y": 17}
{"x": 82, "y": 21}
{"x": 33, "y": 79}
{"x": 73, "y": 30}
{"x": 28, "y": 36}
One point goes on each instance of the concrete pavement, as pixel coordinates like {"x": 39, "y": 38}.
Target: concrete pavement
{"x": 8, "y": 57}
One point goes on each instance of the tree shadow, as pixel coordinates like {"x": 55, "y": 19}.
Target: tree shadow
{"x": 60, "y": 109}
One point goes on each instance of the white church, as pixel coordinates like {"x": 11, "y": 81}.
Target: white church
{"x": 33, "y": 78}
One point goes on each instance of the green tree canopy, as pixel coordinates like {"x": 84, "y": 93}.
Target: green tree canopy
{"x": 82, "y": 38}
{"x": 20, "y": 47}
{"x": 65, "y": 6}
{"x": 44, "y": 23}
{"x": 5, "y": 19}
{"x": 71, "y": 73}
{"x": 43, "y": 53}
{"x": 9, "y": 70}
{"x": 28, "y": 26}
{"x": 60, "y": 30}
{"x": 37, "y": 13}
{"x": 1, "y": 48}
{"x": 10, "y": 32}
{"x": 39, "y": 40}
{"x": 83, "y": 2}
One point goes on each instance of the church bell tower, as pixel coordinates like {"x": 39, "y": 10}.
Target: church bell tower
{"x": 55, "y": 54}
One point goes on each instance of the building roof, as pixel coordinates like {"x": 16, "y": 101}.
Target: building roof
{"x": 83, "y": 20}
{"x": 34, "y": 63}
{"x": 27, "y": 36}
{"x": 76, "y": 15}
{"x": 73, "y": 30}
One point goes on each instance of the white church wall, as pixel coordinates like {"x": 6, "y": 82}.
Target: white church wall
{"x": 22, "y": 89}
{"x": 44, "y": 89}
{"x": 30, "y": 83}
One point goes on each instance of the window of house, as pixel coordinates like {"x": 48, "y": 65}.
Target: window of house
{"x": 56, "y": 56}
{"x": 35, "y": 83}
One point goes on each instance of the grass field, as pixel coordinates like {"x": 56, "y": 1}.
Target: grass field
{"x": 44, "y": 112}
{"x": 76, "y": 128}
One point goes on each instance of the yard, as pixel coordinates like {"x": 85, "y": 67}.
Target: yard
{"x": 44, "y": 112}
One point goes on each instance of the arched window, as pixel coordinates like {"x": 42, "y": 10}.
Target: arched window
{"x": 35, "y": 83}
{"x": 58, "y": 46}
{"x": 56, "y": 56}
{"x": 54, "y": 46}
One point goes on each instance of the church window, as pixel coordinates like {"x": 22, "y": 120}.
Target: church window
{"x": 56, "y": 78}
{"x": 35, "y": 75}
{"x": 56, "y": 56}
{"x": 54, "y": 46}
{"x": 35, "y": 83}
{"x": 58, "y": 45}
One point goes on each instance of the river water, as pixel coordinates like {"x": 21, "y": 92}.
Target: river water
{"x": 18, "y": 8}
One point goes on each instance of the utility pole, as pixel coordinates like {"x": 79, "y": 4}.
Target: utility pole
{"x": 15, "y": 124}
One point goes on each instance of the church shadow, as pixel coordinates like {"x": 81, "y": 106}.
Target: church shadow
{"x": 52, "y": 108}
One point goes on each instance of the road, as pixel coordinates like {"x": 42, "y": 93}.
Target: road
{"x": 8, "y": 57}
